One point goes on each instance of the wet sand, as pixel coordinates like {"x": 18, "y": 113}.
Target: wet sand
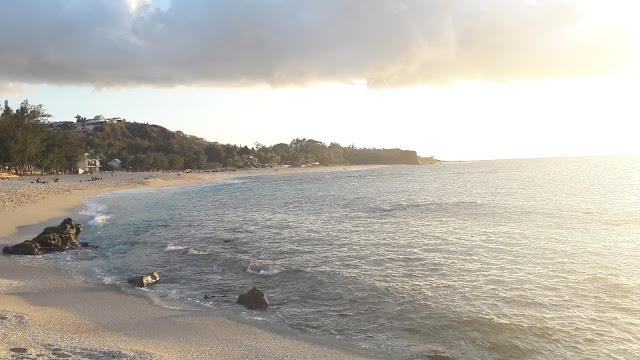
{"x": 46, "y": 313}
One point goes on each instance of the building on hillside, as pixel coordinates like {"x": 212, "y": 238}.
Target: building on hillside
{"x": 88, "y": 165}
{"x": 61, "y": 124}
{"x": 115, "y": 164}
{"x": 85, "y": 128}
{"x": 98, "y": 119}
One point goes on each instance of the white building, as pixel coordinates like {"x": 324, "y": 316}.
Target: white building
{"x": 87, "y": 165}
{"x": 98, "y": 119}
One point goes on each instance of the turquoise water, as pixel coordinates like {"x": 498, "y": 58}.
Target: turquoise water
{"x": 534, "y": 259}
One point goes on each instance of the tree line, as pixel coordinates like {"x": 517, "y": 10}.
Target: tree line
{"x": 147, "y": 147}
{"x": 28, "y": 143}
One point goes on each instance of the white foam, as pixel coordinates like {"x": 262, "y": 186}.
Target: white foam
{"x": 193, "y": 251}
{"x": 99, "y": 220}
{"x": 109, "y": 280}
{"x": 264, "y": 270}
{"x": 97, "y": 211}
{"x": 172, "y": 247}
{"x": 102, "y": 275}
{"x": 93, "y": 208}
{"x": 229, "y": 181}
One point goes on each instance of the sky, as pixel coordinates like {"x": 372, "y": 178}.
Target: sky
{"x": 455, "y": 79}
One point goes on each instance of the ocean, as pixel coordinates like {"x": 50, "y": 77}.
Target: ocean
{"x": 513, "y": 259}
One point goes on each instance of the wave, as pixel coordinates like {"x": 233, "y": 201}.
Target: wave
{"x": 99, "y": 220}
{"x": 97, "y": 211}
{"x": 172, "y": 247}
{"x": 193, "y": 251}
{"x": 181, "y": 248}
{"x": 93, "y": 208}
{"x": 228, "y": 181}
{"x": 264, "y": 269}
{"x": 102, "y": 275}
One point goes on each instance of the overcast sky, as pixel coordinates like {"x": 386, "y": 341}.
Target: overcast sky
{"x": 457, "y": 79}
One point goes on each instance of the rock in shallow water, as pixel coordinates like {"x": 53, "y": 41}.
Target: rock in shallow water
{"x": 144, "y": 280}
{"x": 51, "y": 239}
{"x": 254, "y": 299}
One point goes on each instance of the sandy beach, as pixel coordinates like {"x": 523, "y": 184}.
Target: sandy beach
{"x": 46, "y": 313}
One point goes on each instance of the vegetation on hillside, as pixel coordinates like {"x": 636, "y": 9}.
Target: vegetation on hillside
{"x": 144, "y": 147}
{"x": 27, "y": 143}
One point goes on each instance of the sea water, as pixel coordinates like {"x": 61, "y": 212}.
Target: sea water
{"x": 535, "y": 259}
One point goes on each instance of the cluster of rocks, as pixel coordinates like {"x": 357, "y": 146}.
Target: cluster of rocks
{"x": 65, "y": 237}
{"x": 253, "y": 299}
{"x": 52, "y": 239}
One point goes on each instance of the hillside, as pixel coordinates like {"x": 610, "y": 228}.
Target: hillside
{"x": 143, "y": 146}
{"x": 58, "y": 146}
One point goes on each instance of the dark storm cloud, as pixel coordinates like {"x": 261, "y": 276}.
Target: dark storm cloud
{"x": 388, "y": 43}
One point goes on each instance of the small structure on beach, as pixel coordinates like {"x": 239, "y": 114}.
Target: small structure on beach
{"x": 115, "y": 164}
{"x": 88, "y": 165}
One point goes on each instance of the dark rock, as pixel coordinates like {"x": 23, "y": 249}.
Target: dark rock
{"x": 254, "y": 299}
{"x": 24, "y": 248}
{"x": 144, "y": 280}
{"x": 48, "y": 239}
{"x": 51, "y": 239}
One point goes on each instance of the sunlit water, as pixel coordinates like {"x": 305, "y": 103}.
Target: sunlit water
{"x": 535, "y": 259}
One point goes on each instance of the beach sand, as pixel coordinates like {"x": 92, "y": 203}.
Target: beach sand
{"x": 46, "y": 313}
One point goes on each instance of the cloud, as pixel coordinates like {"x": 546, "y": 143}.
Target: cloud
{"x": 388, "y": 43}
{"x": 12, "y": 90}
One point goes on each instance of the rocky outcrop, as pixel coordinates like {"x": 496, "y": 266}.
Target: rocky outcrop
{"x": 144, "y": 280}
{"x": 254, "y": 299}
{"x": 52, "y": 239}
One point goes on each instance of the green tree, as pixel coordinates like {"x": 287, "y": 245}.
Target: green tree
{"x": 199, "y": 159}
{"x": 139, "y": 162}
{"x": 175, "y": 162}
{"x": 61, "y": 151}
{"x": 159, "y": 161}
{"x": 214, "y": 152}
{"x": 22, "y": 134}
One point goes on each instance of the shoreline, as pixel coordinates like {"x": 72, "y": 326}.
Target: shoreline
{"x": 80, "y": 320}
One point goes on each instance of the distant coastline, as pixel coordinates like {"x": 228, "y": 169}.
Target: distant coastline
{"x": 91, "y": 145}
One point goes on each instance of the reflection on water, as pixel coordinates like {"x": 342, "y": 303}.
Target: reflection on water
{"x": 529, "y": 259}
